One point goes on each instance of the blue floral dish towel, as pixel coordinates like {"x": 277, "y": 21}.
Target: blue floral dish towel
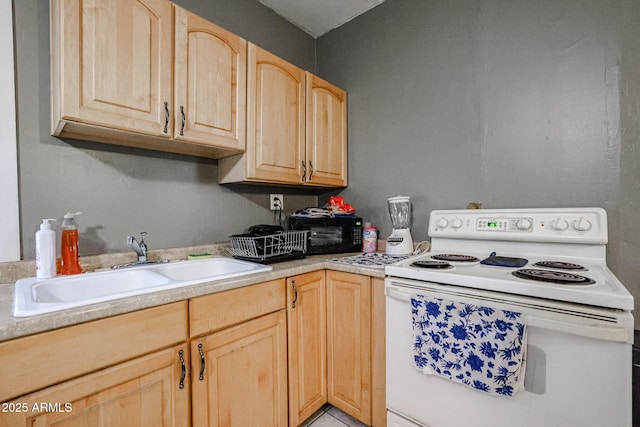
{"x": 478, "y": 346}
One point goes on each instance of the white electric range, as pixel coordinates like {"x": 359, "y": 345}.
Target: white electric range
{"x": 549, "y": 265}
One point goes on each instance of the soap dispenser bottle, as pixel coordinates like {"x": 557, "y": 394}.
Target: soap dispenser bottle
{"x": 69, "y": 247}
{"x": 45, "y": 250}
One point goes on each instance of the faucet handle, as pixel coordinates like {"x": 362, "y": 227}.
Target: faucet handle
{"x": 143, "y": 234}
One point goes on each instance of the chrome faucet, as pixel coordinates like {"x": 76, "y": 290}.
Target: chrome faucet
{"x": 140, "y": 248}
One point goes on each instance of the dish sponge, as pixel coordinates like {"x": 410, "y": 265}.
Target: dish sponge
{"x": 199, "y": 256}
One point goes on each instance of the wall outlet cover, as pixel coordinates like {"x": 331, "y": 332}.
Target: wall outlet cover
{"x": 276, "y": 202}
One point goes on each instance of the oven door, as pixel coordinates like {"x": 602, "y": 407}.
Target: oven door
{"x": 578, "y": 366}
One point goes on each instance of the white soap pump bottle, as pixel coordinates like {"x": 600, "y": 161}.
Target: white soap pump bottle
{"x": 46, "y": 250}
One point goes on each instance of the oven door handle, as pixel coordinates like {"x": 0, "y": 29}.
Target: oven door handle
{"x": 600, "y": 332}
{"x": 396, "y": 293}
{"x": 603, "y": 332}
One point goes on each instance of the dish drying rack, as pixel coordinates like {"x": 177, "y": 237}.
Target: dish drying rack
{"x": 270, "y": 248}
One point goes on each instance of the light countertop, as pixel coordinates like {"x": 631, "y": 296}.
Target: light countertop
{"x": 15, "y": 327}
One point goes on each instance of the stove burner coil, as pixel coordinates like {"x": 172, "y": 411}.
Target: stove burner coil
{"x": 436, "y": 265}
{"x": 455, "y": 258}
{"x": 559, "y": 265}
{"x": 550, "y": 276}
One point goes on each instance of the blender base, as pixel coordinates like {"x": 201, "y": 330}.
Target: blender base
{"x": 399, "y": 243}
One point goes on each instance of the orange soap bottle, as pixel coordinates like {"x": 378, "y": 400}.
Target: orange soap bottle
{"x": 69, "y": 248}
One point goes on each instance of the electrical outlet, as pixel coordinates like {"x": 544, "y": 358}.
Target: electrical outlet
{"x": 276, "y": 202}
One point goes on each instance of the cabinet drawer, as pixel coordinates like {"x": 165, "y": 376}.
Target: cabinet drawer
{"x": 34, "y": 362}
{"x": 216, "y": 311}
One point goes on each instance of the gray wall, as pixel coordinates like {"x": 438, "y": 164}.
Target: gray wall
{"x": 122, "y": 191}
{"x": 509, "y": 103}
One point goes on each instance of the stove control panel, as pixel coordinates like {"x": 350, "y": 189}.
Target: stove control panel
{"x": 568, "y": 225}
{"x": 504, "y": 224}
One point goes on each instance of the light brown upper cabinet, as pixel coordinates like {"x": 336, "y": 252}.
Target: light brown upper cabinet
{"x": 326, "y": 133}
{"x": 210, "y": 83}
{"x": 296, "y": 127}
{"x": 111, "y": 63}
{"x": 112, "y": 74}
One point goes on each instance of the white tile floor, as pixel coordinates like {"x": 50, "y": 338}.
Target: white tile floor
{"x": 329, "y": 416}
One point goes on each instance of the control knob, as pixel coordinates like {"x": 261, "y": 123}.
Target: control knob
{"x": 523, "y": 224}
{"x": 442, "y": 223}
{"x": 456, "y": 223}
{"x": 582, "y": 224}
{"x": 559, "y": 224}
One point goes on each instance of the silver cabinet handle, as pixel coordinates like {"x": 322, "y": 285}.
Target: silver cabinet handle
{"x": 183, "y": 121}
{"x": 295, "y": 294}
{"x": 183, "y": 373}
{"x": 166, "y": 117}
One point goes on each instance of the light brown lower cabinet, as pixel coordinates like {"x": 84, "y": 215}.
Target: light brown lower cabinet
{"x": 124, "y": 370}
{"x": 307, "y": 333}
{"x": 240, "y": 375}
{"x": 142, "y": 392}
{"x": 355, "y": 346}
{"x": 239, "y": 365}
{"x": 235, "y": 358}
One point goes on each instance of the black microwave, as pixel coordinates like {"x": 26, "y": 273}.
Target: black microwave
{"x": 330, "y": 235}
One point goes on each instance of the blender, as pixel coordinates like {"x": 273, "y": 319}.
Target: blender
{"x": 400, "y": 243}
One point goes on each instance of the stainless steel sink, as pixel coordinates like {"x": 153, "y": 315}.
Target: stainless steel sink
{"x": 33, "y": 296}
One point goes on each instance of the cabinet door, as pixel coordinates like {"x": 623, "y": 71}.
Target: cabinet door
{"x": 275, "y": 118}
{"x": 349, "y": 343}
{"x": 243, "y": 380}
{"x": 116, "y": 60}
{"x": 326, "y": 149}
{"x": 142, "y": 392}
{"x": 210, "y": 83}
{"x": 306, "y": 302}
